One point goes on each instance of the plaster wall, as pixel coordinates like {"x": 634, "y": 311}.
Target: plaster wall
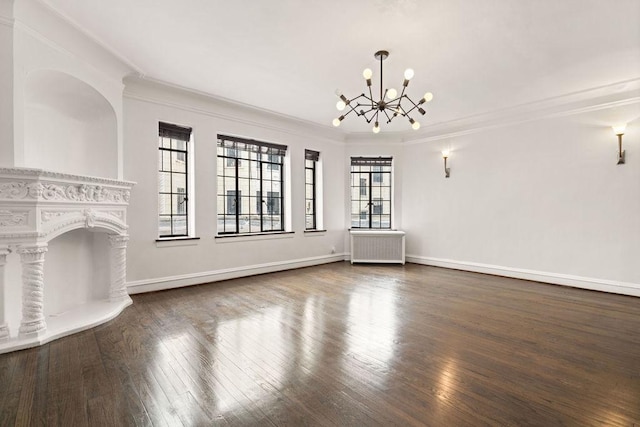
{"x": 538, "y": 197}
{"x": 6, "y": 82}
{"x": 73, "y": 260}
{"x": 42, "y": 41}
{"x": 208, "y": 258}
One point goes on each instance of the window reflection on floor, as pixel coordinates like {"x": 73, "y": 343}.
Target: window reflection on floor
{"x": 372, "y": 324}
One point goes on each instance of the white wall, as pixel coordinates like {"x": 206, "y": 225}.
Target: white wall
{"x": 76, "y": 271}
{"x": 43, "y": 42}
{"x": 153, "y": 266}
{"x": 6, "y": 83}
{"x": 542, "y": 200}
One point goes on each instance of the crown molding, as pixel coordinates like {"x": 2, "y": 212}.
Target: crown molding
{"x": 594, "y": 99}
{"x": 133, "y": 83}
{"x": 95, "y": 39}
{"x": 8, "y": 22}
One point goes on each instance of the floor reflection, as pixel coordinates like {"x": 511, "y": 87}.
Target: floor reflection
{"x": 372, "y": 324}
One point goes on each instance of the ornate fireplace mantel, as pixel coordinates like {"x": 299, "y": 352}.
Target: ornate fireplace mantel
{"x": 37, "y": 206}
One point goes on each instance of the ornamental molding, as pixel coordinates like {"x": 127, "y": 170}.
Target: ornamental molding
{"x": 41, "y": 173}
{"x": 13, "y": 218}
{"x": 117, "y": 214}
{"x": 23, "y": 190}
{"x": 47, "y": 216}
{"x": 35, "y": 250}
{"x": 84, "y": 219}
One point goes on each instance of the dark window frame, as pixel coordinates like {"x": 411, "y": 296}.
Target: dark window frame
{"x": 183, "y": 134}
{"x": 311, "y": 159}
{"x": 267, "y": 159}
{"x": 367, "y": 175}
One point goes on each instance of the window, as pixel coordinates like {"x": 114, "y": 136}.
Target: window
{"x": 173, "y": 189}
{"x": 371, "y": 192}
{"x": 249, "y": 170}
{"x": 310, "y": 168}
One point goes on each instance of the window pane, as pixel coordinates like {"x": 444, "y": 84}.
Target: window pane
{"x": 178, "y": 180}
{"x": 221, "y": 204}
{"x": 166, "y": 160}
{"x": 164, "y": 204}
{"x": 178, "y": 162}
{"x": 179, "y": 225}
{"x": 164, "y": 182}
{"x": 164, "y": 225}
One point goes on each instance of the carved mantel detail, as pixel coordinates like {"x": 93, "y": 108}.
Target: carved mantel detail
{"x": 36, "y": 206}
{"x": 10, "y": 218}
{"x": 21, "y": 190}
{"x": 32, "y": 289}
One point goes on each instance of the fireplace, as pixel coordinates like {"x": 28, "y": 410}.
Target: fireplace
{"x": 63, "y": 242}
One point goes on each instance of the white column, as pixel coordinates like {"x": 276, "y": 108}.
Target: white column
{"x": 4, "y": 329}
{"x": 118, "y": 278}
{"x": 32, "y": 258}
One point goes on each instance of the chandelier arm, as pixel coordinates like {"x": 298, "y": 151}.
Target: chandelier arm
{"x": 370, "y": 98}
{"x": 382, "y": 57}
{"x": 412, "y": 108}
{"x": 407, "y": 116}
{"x": 387, "y": 114}
{"x": 402, "y": 93}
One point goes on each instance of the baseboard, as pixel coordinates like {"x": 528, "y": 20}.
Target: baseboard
{"x": 624, "y": 288}
{"x": 170, "y": 282}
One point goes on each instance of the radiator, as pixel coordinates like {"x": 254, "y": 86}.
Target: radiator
{"x": 384, "y": 246}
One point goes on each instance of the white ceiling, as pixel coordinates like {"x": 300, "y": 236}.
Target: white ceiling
{"x": 289, "y": 56}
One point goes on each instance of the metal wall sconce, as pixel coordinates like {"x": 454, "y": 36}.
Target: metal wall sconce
{"x": 447, "y": 171}
{"x": 619, "y": 130}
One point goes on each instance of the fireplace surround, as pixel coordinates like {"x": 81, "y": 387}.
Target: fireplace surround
{"x": 36, "y": 208}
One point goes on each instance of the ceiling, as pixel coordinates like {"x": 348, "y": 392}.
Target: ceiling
{"x": 289, "y": 56}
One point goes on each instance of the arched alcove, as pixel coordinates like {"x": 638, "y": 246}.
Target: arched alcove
{"x": 69, "y": 126}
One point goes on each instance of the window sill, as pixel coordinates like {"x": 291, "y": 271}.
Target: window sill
{"x": 229, "y": 238}
{"x": 176, "y": 241}
{"x": 311, "y": 233}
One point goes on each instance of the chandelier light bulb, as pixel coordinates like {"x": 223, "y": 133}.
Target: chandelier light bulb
{"x": 336, "y": 122}
{"x": 341, "y": 105}
{"x": 408, "y": 73}
{"x": 415, "y": 125}
{"x": 367, "y": 73}
{"x": 376, "y": 128}
{"x": 428, "y": 97}
{"x": 445, "y": 154}
{"x": 392, "y": 93}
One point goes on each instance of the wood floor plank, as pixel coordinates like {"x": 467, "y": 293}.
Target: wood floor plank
{"x": 342, "y": 344}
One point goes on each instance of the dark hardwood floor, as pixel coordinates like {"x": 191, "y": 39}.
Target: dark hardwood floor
{"x": 342, "y": 345}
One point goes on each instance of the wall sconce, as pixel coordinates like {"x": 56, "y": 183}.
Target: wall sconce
{"x": 445, "y": 156}
{"x": 619, "y": 130}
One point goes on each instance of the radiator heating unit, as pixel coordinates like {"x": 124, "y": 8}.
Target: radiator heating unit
{"x": 381, "y": 246}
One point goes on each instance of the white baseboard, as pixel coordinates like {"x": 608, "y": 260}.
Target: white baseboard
{"x": 602, "y": 285}
{"x": 170, "y": 282}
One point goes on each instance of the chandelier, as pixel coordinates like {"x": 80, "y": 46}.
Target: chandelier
{"x": 388, "y": 106}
